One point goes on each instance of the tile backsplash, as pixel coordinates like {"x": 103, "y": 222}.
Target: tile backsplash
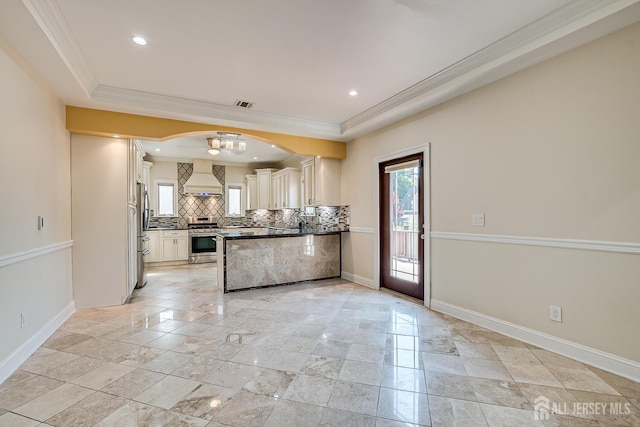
{"x": 162, "y": 221}
{"x": 190, "y": 205}
{"x": 333, "y": 216}
{"x": 325, "y": 217}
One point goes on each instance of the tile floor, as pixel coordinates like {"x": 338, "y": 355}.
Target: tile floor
{"x": 329, "y": 353}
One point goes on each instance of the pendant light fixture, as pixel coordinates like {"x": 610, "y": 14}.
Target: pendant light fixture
{"x": 226, "y": 141}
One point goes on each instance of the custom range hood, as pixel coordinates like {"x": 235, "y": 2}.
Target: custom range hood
{"x": 202, "y": 182}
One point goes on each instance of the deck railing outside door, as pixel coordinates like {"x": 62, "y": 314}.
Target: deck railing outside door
{"x": 406, "y": 244}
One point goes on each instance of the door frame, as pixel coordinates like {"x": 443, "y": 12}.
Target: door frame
{"x": 426, "y": 176}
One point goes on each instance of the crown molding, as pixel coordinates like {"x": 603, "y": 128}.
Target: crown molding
{"x": 50, "y": 20}
{"x": 491, "y": 63}
{"x": 209, "y": 112}
{"x": 529, "y": 45}
{"x": 249, "y": 165}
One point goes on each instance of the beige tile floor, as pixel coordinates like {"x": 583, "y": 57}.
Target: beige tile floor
{"x": 329, "y": 353}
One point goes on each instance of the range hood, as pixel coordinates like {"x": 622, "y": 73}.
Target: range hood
{"x": 202, "y": 182}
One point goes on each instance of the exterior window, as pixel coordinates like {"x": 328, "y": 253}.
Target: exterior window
{"x": 234, "y": 205}
{"x": 166, "y": 198}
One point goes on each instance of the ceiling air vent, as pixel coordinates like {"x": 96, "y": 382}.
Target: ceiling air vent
{"x": 243, "y": 104}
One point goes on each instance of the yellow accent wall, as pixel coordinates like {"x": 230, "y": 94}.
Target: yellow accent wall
{"x": 87, "y": 121}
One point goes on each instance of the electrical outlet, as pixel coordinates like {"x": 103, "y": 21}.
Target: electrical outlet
{"x": 23, "y": 319}
{"x": 477, "y": 220}
{"x": 555, "y": 313}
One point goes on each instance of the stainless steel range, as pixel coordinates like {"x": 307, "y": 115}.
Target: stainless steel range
{"x": 202, "y": 239}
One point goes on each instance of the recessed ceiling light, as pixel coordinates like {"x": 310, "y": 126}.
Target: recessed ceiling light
{"x": 115, "y": 135}
{"x": 157, "y": 149}
{"x": 273, "y": 146}
{"x": 139, "y": 40}
{"x": 255, "y": 158}
{"x": 353, "y": 92}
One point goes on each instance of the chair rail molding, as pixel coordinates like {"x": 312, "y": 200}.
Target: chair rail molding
{"x": 550, "y": 242}
{"x": 363, "y": 230}
{"x": 34, "y": 253}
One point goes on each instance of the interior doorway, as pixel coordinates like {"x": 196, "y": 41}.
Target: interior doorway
{"x": 402, "y": 224}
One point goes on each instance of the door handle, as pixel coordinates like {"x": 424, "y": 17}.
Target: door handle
{"x": 422, "y": 236}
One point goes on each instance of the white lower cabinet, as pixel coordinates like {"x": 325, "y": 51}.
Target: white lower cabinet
{"x": 167, "y": 245}
{"x": 153, "y": 246}
{"x": 175, "y": 245}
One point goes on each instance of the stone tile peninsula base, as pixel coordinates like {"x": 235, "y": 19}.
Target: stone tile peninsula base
{"x": 252, "y": 261}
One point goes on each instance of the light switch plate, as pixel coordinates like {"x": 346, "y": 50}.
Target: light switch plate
{"x": 477, "y": 220}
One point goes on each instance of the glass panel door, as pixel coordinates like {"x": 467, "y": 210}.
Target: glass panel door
{"x": 401, "y": 225}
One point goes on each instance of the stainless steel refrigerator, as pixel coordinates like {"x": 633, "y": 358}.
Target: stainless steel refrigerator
{"x": 142, "y": 201}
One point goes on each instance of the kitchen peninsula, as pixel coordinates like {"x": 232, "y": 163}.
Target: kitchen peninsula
{"x": 257, "y": 257}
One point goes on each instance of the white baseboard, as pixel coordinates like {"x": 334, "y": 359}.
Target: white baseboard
{"x": 591, "y": 356}
{"x": 359, "y": 280}
{"x": 9, "y": 365}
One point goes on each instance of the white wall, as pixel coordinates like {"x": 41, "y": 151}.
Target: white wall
{"x": 293, "y": 162}
{"x": 35, "y": 265}
{"x": 552, "y": 151}
{"x": 235, "y": 174}
{"x": 99, "y": 205}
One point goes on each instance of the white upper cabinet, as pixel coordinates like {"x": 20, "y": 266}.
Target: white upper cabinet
{"x": 263, "y": 186}
{"x": 320, "y": 182}
{"x": 146, "y": 174}
{"x": 135, "y": 167}
{"x": 139, "y": 175}
{"x": 251, "y": 192}
{"x": 285, "y": 189}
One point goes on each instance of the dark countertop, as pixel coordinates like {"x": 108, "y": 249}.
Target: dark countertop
{"x": 279, "y": 232}
{"x": 164, "y": 228}
{"x": 268, "y": 231}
